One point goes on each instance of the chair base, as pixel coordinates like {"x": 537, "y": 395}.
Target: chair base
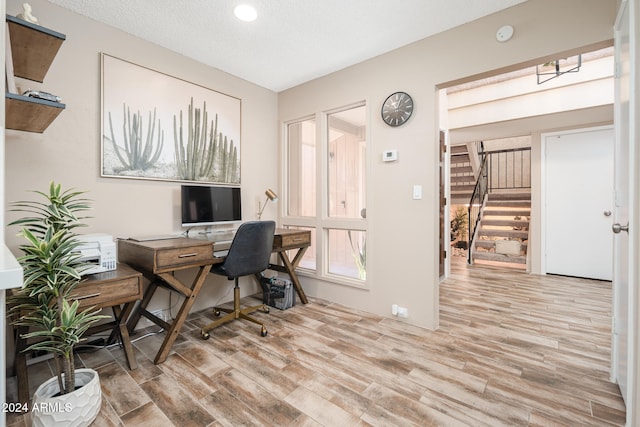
{"x": 235, "y": 313}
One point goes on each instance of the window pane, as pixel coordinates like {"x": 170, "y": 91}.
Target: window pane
{"x": 346, "y": 159}
{"x": 301, "y": 151}
{"x": 347, "y": 255}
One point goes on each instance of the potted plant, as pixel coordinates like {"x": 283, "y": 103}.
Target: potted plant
{"x": 459, "y": 225}
{"x": 52, "y": 269}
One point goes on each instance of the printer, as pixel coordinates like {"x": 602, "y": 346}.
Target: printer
{"x": 98, "y": 250}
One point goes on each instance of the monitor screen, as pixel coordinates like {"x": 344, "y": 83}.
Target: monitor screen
{"x": 207, "y": 205}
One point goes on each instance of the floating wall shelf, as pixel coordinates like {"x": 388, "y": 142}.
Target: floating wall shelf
{"x": 30, "y": 52}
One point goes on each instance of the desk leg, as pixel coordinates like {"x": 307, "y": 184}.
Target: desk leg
{"x": 123, "y": 333}
{"x": 291, "y": 271}
{"x": 191, "y": 295}
{"x": 137, "y": 313}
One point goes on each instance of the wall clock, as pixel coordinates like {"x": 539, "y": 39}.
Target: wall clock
{"x": 397, "y": 108}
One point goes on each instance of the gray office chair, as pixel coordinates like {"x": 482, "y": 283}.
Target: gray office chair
{"x": 248, "y": 255}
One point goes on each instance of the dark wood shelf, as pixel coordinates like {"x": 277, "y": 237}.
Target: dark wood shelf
{"x": 30, "y": 114}
{"x": 33, "y": 48}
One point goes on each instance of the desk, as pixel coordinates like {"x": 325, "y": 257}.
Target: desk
{"x": 109, "y": 289}
{"x": 160, "y": 259}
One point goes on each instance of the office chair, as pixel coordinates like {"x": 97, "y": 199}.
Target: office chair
{"x": 248, "y": 255}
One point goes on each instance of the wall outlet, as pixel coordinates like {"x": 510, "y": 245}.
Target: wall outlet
{"x": 396, "y": 310}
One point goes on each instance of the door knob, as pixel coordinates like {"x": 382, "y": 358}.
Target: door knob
{"x": 618, "y": 228}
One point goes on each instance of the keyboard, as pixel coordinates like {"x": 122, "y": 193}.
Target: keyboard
{"x": 222, "y": 237}
{"x": 216, "y": 236}
{"x": 154, "y": 237}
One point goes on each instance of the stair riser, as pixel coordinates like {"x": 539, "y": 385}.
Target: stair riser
{"x": 504, "y": 223}
{"x": 509, "y": 213}
{"x": 490, "y": 256}
{"x": 503, "y": 233}
{"x": 491, "y": 244}
{"x": 509, "y": 196}
{"x": 508, "y": 204}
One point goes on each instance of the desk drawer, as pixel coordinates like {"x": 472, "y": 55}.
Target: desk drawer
{"x": 292, "y": 239}
{"x": 188, "y": 255}
{"x": 108, "y": 294}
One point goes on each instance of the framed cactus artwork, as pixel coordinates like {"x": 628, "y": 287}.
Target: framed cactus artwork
{"x": 155, "y": 126}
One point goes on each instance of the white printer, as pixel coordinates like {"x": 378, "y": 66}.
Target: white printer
{"x": 99, "y": 250}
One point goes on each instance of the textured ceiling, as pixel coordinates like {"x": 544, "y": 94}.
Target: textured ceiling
{"x": 292, "y": 41}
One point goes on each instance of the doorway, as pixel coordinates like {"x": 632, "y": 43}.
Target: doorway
{"x": 506, "y": 106}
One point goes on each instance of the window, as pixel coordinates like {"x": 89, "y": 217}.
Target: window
{"x": 347, "y": 256}
{"x": 346, "y": 163}
{"x": 337, "y": 218}
{"x": 301, "y": 167}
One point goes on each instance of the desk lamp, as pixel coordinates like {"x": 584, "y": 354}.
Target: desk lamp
{"x": 270, "y": 196}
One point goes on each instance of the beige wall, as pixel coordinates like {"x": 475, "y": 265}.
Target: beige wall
{"x": 403, "y": 233}
{"x": 69, "y": 150}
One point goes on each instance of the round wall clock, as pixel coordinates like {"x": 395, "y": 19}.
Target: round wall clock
{"x": 397, "y": 108}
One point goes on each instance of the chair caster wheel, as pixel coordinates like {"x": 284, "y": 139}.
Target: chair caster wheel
{"x": 205, "y": 335}
{"x": 265, "y": 309}
{"x": 263, "y": 332}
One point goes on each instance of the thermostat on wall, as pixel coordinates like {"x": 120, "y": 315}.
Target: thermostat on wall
{"x": 390, "y": 155}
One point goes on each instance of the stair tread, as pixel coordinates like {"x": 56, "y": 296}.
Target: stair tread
{"x": 456, "y": 149}
{"x": 460, "y": 158}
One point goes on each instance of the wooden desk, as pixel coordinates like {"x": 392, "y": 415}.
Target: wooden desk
{"x": 109, "y": 289}
{"x": 159, "y": 259}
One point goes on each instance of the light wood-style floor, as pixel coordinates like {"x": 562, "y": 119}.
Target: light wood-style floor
{"x": 512, "y": 349}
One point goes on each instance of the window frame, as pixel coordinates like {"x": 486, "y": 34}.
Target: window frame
{"x": 322, "y": 222}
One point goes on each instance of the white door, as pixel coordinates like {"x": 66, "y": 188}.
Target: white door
{"x": 579, "y": 203}
{"x": 623, "y": 303}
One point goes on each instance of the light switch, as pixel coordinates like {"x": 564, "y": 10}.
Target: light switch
{"x": 417, "y": 192}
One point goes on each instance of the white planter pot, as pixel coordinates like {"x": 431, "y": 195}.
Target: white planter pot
{"x": 76, "y": 409}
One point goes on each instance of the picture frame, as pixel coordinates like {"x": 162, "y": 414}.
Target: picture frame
{"x": 156, "y": 126}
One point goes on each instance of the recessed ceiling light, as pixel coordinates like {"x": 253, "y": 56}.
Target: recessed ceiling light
{"x": 245, "y": 12}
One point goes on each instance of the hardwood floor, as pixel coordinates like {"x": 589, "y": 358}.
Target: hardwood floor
{"x": 512, "y": 349}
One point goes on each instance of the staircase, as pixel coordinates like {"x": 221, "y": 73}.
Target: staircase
{"x": 503, "y": 232}
{"x": 462, "y": 174}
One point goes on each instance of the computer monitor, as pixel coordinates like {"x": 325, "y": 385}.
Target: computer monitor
{"x": 204, "y": 205}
